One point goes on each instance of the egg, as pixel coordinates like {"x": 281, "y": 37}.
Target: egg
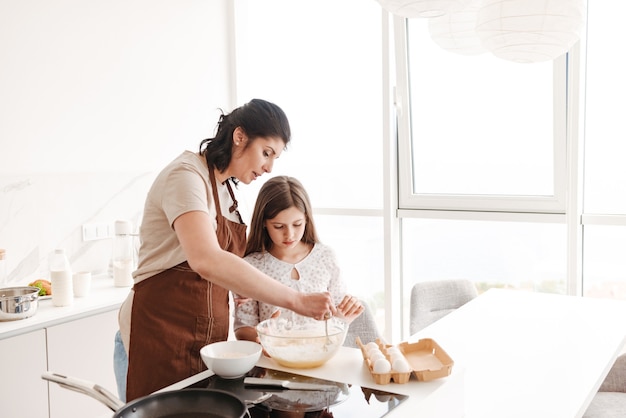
{"x": 394, "y": 356}
{"x": 401, "y": 365}
{"x": 376, "y": 356}
{"x": 373, "y": 351}
{"x": 371, "y": 346}
{"x": 393, "y": 350}
{"x": 382, "y": 366}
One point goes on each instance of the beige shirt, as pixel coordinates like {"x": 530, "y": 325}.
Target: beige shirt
{"x": 182, "y": 186}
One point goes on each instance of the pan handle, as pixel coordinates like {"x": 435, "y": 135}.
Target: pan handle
{"x": 88, "y": 388}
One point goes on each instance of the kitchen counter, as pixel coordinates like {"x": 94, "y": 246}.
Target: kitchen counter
{"x": 511, "y": 349}
{"x": 103, "y": 297}
{"x": 76, "y": 340}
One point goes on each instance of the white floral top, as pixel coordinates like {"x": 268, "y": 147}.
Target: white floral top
{"x": 318, "y": 271}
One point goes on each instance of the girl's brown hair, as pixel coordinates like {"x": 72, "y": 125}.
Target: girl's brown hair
{"x": 277, "y": 194}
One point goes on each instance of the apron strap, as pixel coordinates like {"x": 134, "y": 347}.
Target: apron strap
{"x": 234, "y": 206}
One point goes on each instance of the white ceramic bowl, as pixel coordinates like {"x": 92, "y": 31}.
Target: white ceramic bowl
{"x": 302, "y": 343}
{"x": 231, "y": 359}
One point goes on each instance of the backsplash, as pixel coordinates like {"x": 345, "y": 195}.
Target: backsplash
{"x": 44, "y": 211}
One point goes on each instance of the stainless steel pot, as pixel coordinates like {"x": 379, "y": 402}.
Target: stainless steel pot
{"x": 18, "y": 302}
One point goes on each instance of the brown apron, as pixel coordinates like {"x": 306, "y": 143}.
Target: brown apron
{"x": 175, "y": 313}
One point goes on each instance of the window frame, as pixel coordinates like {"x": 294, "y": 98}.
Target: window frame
{"x": 408, "y": 200}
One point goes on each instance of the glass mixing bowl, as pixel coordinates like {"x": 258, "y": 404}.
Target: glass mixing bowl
{"x": 301, "y": 342}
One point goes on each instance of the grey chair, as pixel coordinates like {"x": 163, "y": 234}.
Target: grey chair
{"x": 433, "y": 300}
{"x": 610, "y": 401}
{"x": 364, "y": 327}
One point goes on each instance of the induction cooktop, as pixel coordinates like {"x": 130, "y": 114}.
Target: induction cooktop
{"x": 346, "y": 401}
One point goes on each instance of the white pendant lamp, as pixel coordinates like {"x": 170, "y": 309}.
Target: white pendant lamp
{"x": 421, "y": 8}
{"x": 530, "y": 30}
{"x": 456, "y": 30}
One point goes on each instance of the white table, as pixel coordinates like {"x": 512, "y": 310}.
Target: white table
{"x": 531, "y": 354}
{"x": 517, "y": 354}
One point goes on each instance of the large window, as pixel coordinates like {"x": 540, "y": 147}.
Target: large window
{"x": 604, "y": 268}
{"x": 605, "y": 143}
{"x": 604, "y": 272}
{"x": 482, "y": 159}
{"x": 324, "y": 67}
{"x": 513, "y": 255}
{"x": 480, "y": 129}
{"x": 328, "y": 79}
{"x": 481, "y": 133}
{"x": 491, "y": 154}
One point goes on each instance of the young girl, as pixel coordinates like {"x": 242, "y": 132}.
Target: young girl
{"x": 283, "y": 243}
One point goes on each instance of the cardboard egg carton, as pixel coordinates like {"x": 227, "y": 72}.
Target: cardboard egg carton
{"x": 426, "y": 359}
{"x": 383, "y": 378}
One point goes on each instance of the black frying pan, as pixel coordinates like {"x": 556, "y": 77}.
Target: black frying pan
{"x": 187, "y": 403}
{"x": 184, "y": 403}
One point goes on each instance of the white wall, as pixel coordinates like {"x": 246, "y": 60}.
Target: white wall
{"x": 95, "y": 97}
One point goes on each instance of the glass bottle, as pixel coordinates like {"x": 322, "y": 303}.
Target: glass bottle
{"x": 123, "y": 254}
{"x": 61, "y": 279}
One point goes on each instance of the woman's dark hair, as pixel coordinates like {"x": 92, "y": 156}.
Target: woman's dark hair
{"x": 258, "y": 119}
{"x": 277, "y": 194}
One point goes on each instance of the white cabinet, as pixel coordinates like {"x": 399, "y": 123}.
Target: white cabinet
{"x": 22, "y": 390}
{"x": 82, "y": 348}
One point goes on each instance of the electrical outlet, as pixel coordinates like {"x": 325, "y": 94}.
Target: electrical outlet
{"x": 95, "y": 231}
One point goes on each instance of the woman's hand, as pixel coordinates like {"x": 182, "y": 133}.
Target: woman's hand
{"x": 315, "y": 305}
{"x": 349, "y": 308}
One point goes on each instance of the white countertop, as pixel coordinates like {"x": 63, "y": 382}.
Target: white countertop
{"x": 103, "y": 297}
{"x": 517, "y": 354}
{"x": 439, "y": 398}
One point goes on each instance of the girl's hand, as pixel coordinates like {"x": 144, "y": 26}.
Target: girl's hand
{"x": 240, "y": 300}
{"x": 349, "y": 308}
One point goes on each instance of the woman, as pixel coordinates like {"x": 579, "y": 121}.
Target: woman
{"x": 283, "y": 243}
{"x": 192, "y": 240}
